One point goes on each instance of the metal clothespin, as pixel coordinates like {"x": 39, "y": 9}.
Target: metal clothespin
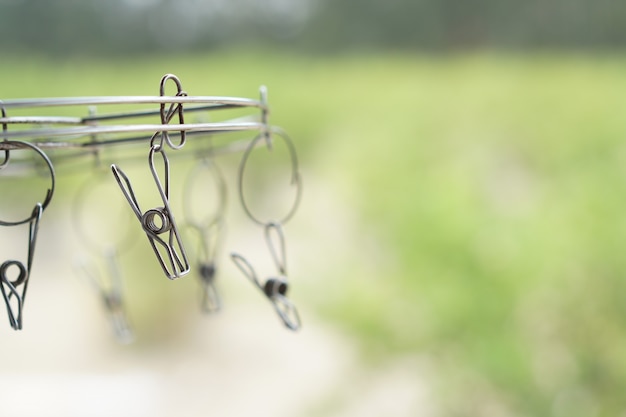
{"x": 109, "y": 286}
{"x": 275, "y": 287}
{"x": 210, "y": 301}
{"x": 208, "y": 229}
{"x": 175, "y": 263}
{"x": 13, "y": 299}
{"x": 103, "y": 274}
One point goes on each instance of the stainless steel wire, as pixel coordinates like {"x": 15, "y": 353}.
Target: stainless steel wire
{"x": 59, "y": 139}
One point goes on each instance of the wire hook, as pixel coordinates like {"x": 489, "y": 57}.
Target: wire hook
{"x": 5, "y": 127}
{"x": 166, "y": 117}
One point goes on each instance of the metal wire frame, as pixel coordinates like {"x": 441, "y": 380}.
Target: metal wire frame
{"x": 88, "y": 135}
{"x": 73, "y": 129}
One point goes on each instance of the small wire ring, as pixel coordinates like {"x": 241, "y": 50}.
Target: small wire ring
{"x": 294, "y": 179}
{"x": 11, "y": 144}
{"x": 21, "y": 277}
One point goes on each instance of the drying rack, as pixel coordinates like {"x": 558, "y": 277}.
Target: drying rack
{"x": 157, "y": 128}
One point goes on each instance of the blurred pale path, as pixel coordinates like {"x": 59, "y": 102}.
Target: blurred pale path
{"x": 239, "y": 362}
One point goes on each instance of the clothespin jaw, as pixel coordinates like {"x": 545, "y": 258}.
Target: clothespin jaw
{"x": 13, "y": 298}
{"x": 210, "y": 301}
{"x": 275, "y": 289}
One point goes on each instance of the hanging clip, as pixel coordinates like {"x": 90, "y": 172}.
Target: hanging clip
{"x": 160, "y": 220}
{"x": 209, "y": 230}
{"x": 109, "y": 287}
{"x": 210, "y": 301}
{"x": 106, "y": 280}
{"x": 275, "y": 288}
{"x": 13, "y": 298}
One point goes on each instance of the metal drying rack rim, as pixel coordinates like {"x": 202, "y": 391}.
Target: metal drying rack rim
{"x": 73, "y": 128}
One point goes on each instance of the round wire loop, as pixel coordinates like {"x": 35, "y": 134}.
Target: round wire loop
{"x": 14, "y": 144}
{"x": 20, "y": 278}
{"x": 295, "y": 179}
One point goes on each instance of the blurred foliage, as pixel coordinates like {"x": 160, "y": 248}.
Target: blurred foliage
{"x": 491, "y": 188}
{"x": 142, "y": 26}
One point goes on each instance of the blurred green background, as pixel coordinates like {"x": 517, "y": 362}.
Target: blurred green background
{"x": 462, "y": 225}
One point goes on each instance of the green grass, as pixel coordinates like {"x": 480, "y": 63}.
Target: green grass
{"x": 497, "y": 183}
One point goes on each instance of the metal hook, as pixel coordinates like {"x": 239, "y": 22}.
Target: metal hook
{"x": 177, "y": 264}
{"x": 209, "y": 232}
{"x": 12, "y": 298}
{"x": 11, "y": 145}
{"x": 295, "y": 176}
{"x": 174, "y": 108}
{"x": 109, "y": 287}
{"x": 5, "y": 127}
{"x": 275, "y": 289}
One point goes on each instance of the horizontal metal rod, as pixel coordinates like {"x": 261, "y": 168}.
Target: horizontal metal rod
{"x": 75, "y": 162}
{"x": 106, "y": 100}
{"x": 132, "y": 114}
{"x": 114, "y": 129}
{"x": 43, "y": 120}
{"x": 121, "y": 141}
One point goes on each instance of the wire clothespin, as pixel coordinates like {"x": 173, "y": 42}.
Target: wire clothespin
{"x": 275, "y": 287}
{"x": 13, "y": 297}
{"x": 210, "y": 301}
{"x": 209, "y": 231}
{"x": 175, "y": 263}
{"x": 106, "y": 281}
{"x": 109, "y": 287}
